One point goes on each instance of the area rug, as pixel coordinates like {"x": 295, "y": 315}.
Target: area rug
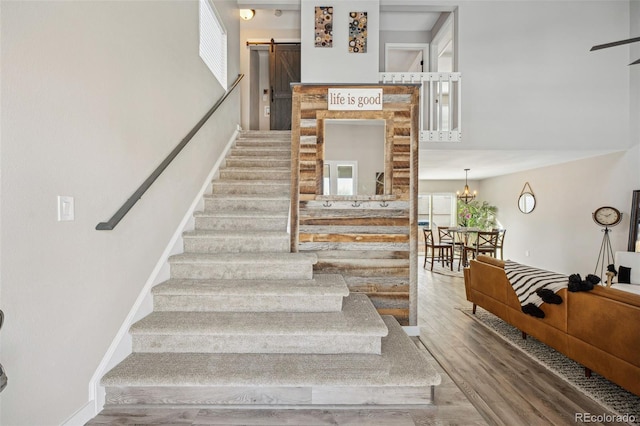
{"x": 439, "y": 269}
{"x": 608, "y": 394}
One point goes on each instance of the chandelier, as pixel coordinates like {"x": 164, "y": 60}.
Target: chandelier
{"x": 466, "y": 194}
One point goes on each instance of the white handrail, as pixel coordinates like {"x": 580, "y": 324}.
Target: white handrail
{"x": 437, "y": 92}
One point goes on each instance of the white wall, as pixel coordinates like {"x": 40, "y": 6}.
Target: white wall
{"x": 94, "y": 96}
{"x": 529, "y": 80}
{"x": 634, "y": 18}
{"x": 336, "y": 64}
{"x": 560, "y": 233}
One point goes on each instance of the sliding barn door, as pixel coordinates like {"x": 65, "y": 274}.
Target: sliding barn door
{"x": 284, "y": 68}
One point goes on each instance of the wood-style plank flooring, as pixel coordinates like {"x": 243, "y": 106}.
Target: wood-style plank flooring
{"x": 485, "y": 381}
{"x": 505, "y": 386}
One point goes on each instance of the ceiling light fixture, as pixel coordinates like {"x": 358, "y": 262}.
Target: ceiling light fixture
{"x": 466, "y": 195}
{"x": 247, "y": 14}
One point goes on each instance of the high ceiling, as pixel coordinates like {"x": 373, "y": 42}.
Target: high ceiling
{"x": 444, "y": 164}
{"x": 435, "y": 163}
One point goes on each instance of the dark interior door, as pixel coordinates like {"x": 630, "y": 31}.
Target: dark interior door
{"x": 284, "y": 68}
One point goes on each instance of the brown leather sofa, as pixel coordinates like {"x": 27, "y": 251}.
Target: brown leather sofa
{"x": 600, "y": 329}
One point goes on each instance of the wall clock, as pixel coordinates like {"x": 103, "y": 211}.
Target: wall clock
{"x": 607, "y": 216}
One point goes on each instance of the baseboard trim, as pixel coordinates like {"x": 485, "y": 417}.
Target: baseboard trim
{"x": 121, "y": 345}
{"x": 82, "y": 416}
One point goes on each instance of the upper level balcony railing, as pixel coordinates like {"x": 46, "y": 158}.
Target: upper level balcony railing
{"x": 440, "y": 101}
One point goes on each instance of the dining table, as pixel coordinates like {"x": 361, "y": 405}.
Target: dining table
{"x": 462, "y": 236}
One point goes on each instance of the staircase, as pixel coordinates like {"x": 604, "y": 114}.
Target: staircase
{"x": 242, "y": 321}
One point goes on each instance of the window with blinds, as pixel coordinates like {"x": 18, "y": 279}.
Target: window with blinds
{"x": 213, "y": 42}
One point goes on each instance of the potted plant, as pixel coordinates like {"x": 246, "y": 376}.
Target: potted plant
{"x": 477, "y": 215}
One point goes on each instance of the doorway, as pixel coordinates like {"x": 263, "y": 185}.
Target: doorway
{"x": 274, "y": 66}
{"x": 406, "y": 57}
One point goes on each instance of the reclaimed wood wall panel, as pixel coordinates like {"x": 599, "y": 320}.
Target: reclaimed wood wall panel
{"x": 369, "y": 240}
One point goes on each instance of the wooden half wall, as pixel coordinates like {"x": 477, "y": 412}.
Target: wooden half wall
{"x": 370, "y": 239}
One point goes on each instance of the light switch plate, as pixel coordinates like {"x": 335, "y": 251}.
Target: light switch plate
{"x": 65, "y": 208}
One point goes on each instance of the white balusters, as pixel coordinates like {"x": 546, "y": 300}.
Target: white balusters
{"x": 441, "y": 95}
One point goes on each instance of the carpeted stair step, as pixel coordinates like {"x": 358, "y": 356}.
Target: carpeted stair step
{"x": 271, "y": 187}
{"x": 247, "y": 221}
{"x": 261, "y": 152}
{"x": 237, "y": 324}
{"x": 323, "y": 293}
{"x": 357, "y": 328}
{"x": 246, "y": 202}
{"x": 257, "y": 162}
{"x": 216, "y": 241}
{"x": 254, "y": 173}
{"x": 248, "y": 266}
{"x": 262, "y": 143}
{"x": 400, "y": 375}
{"x": 265, "y": 134}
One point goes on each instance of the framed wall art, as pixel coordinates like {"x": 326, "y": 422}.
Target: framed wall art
{"x": 358, "y": 32}
{"x": 324, "y": 26}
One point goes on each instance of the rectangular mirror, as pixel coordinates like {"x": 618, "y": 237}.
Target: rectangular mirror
{"x": 354, "y": 153}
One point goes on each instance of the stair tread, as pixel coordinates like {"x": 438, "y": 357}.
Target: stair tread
{"x": 257, "y": 169}
{"x": 323, "y": 284}
{"x": 213, "y": 233}
{"x": 386, "y": 263}
{"x": 272, "y": 258}
{"x": 262, "y": 142}
{"x": 358, "y": 317}
{"x": 277, "y": 155}
{"x": 257, "y": 147}
{"x": 243, "y": 213}
{"x": 277, "y": 149}
{"x": 261, "y": 160}
{"x": 400, "y": 364}
{"x": 216, "y": 326}
{"x": 256, "y": 197}
{"x": 265, "y": 182}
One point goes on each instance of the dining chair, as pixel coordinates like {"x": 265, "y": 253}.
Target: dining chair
{"x": 446, "y": 235}
{"x": 486, "y": 242}
{"x": 441, "y": 252}
{"x": 457, "y": 241}
{"x": 500, "y": 242}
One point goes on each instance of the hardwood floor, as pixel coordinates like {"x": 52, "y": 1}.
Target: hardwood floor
{"x": 485, "y": 381}
{"x": 505, "y": 386}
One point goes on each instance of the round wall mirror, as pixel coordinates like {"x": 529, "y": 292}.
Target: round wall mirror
{"x": 526, "y": 202}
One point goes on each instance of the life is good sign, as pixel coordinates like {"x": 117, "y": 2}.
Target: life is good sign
{"x": 346, "y": 99}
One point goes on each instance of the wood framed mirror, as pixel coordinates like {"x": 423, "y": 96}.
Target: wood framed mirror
{"x": 380, "y": 177}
